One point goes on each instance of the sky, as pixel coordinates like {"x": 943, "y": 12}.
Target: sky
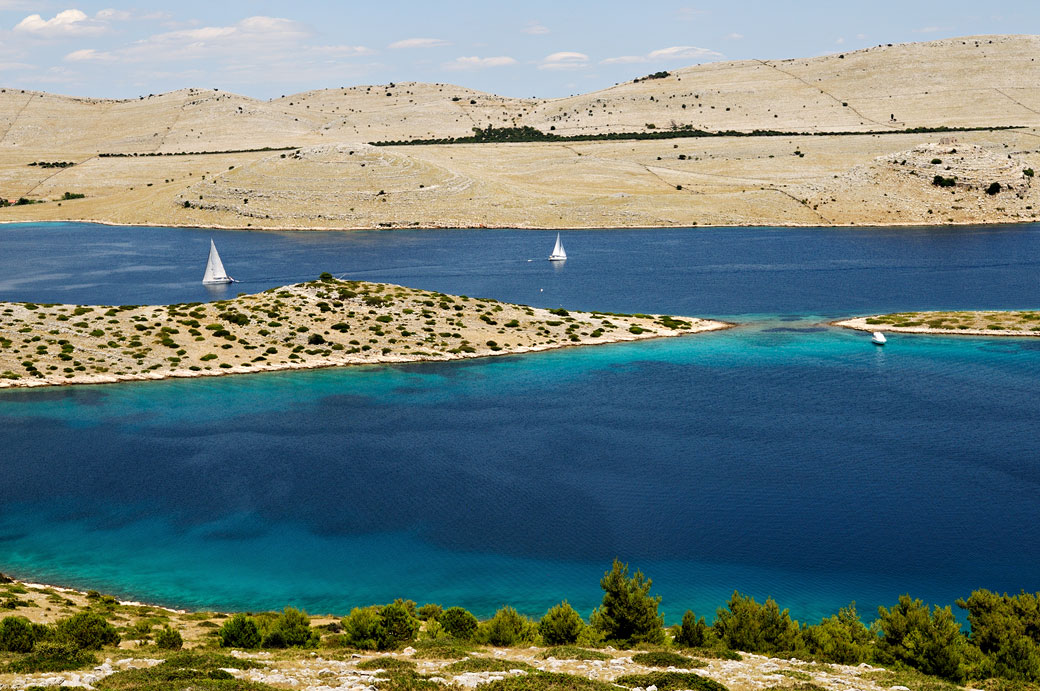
{"x": 543, "y": 48}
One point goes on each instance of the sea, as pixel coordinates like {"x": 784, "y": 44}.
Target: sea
{"x": 782, "y": 458}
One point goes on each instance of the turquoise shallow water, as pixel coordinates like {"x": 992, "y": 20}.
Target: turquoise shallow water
{"x": 783, "y": 458}
{"x": 797, "y": 464}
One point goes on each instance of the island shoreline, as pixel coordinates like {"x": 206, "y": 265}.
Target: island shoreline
{"x": 860, "y": 324}
{"x": 713, "y": 325}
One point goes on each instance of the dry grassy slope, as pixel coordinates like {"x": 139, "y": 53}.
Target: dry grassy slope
{"x": 981, "y": 81}
{"x": 978, "y": 81}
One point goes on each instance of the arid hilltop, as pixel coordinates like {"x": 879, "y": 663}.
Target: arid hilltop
{"x": 846, "y": 154}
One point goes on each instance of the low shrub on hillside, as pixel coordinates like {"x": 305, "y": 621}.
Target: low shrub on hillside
{"x": 50, "y": 656}
{"x": 670, "y": 681}
{"x": 560, "y": 625}
{"x": 667, "y": 659}
{"x": 507, "y": 628}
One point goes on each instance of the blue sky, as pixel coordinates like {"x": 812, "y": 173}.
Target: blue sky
{"x": 266, "y": 48}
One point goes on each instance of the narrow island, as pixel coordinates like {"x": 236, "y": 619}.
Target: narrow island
{"x": 322, "y": 323}
{"x": 963, "y": 323}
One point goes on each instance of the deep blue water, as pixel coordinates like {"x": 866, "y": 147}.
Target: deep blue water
{"x": 782, "y": 458}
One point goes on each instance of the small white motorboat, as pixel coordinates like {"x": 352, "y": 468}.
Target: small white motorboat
{"x": 558, "y": 253}
{"x": 215, "y": 273}
{"x": 878, "y": 338}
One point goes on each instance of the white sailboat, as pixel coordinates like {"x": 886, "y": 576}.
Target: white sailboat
{"x": 215, "y": 272}
{"x": 558, "y": 253}
{"x": 878, "y": 338}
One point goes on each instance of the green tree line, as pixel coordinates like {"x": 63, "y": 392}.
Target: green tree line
{"x": 1002, "y": 640}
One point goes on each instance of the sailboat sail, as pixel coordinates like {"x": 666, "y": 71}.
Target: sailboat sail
{"x": 215, "y": 272}
{"x": 558, "y": 253}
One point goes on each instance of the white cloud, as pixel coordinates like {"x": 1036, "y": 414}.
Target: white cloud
{"x": 535, "y": 29}
{"x": 256, "y": 36}
{"x": 343, "y": 51}
{"x": 839, "y": 41}
{"x": 13, "y": 66}
{"x": 89, "y": 55}
{"x": 669, "y": 54}
{"x": 113, "y": 14}
{"x": 683, "y": 53}
{"x": 734, "y": 36}
{"x": 687, "y": 14}
{"x": 565, "y": 60}
{"x": 624, "y": 60}
{"x": 419, "y": 43}
{"x": 254, "y": 49}
{"x": 932, "y": 29}
{"x": 64, "y": 24}
{"x": 861, "y": 36}
{"x": 476, "y": 63}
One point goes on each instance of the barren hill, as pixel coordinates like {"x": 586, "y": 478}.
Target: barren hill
{"x": 329, "y": 177}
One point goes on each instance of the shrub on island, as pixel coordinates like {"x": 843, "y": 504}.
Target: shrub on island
{"x": 16, "y": 635}
{"x": 561, "y": 625}
{"x": 169, "y": 639}
{"x": 240, "y": 631}
{"x": 628, "y": 613}
{"x": 507, "y": 628}
{"x": 86, "y": 631}
{"x": 380, "y": 628}
{"x": 459, "y": 623}
{"x": 52, "y": 656}
{"x": 747, "y": 625}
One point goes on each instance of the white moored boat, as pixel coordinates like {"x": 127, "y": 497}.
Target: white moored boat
{"x": 878, "y": 338}
{"x": 215, "y": 272}
{"x": 558, "y": 253}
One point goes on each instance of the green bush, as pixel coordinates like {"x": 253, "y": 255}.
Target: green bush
{"x": 459, "y": 623}
{"x": 692, "y": 633}
{"x": 430, "y": 612}
{"x": 940, "y": 181}
{"x": 572, "y": 652}
{"x": 508, "y": 627}
{"x": 291, "y": 629}
{"x": 994, "y": 188}
{"x": 486, "y": 664}
{"x": 390, "y": 664}
{"x": 441, "y": 649}
{"x": 547, "y": 681}
{"x": 930, "y": 642}
{"x": 747, "y": 625}
{"x": 86, "y": 631}
{"x": 560, "y": 625}
{"x": 239, "y": 631}
{"x": 1006, "y": 630}
{"x": 50, "y": 656}
{"x": 169, "y": 639}
{"x": 363, "y": 628}
{"x": 628, "y": 613}
{"x": 666, "y": 659}
{"x": 398, "y": 625}
{"x": 17, "y": 635}
{"x": 841, "y": 638}
{"x": 669, "y": 681}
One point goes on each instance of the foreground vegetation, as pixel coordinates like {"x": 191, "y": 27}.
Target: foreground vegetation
{"x": 915, "y": 641}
